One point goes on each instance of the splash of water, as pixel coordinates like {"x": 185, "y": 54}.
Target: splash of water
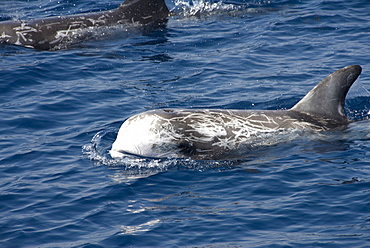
{"x": 187, "y": 8}
{"x": 131, "y": 167}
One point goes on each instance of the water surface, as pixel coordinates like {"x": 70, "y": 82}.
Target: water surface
{"x": 61, "y": 111}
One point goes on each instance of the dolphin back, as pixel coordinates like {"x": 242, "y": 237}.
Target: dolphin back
{"x": 54, "y": 32}
{"x": 144, "y": 11}
{"x": 326, "y": 100}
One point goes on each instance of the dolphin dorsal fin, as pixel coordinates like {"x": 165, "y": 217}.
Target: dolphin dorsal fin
{"x": 326, "y": 100}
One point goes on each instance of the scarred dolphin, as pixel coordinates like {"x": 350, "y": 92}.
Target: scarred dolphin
{"x": 52, "y": 32}
{"x": 215, "y": 133}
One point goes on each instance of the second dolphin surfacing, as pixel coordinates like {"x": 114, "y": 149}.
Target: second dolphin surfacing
{"x": 214, "y": 134}
{"x": 57, "y": 32}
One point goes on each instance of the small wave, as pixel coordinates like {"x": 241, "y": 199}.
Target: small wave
{"x": 358, "y": 103}
{"x": 207, "y": 8}
{"x": 197, "y": 7}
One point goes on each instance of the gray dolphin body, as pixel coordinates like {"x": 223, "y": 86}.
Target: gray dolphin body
{"x": 213, "y": 134}
{"x": 49, "y": 33}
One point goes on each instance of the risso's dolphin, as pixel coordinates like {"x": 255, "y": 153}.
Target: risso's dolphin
{"x": 50, "y": 33}
{"x": 213, "y": 134}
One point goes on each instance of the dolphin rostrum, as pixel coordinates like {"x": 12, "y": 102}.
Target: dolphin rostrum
{"x": 214, "y": 133}
{"x": 53, "y": 32}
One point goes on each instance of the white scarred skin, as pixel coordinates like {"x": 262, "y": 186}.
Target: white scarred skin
{"x": 209, "y": 134}
{"x": 159, "y": 133}
{"x": 56, "y": 32}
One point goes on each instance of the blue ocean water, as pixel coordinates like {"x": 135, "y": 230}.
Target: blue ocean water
{"x": 61, "y": 110}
